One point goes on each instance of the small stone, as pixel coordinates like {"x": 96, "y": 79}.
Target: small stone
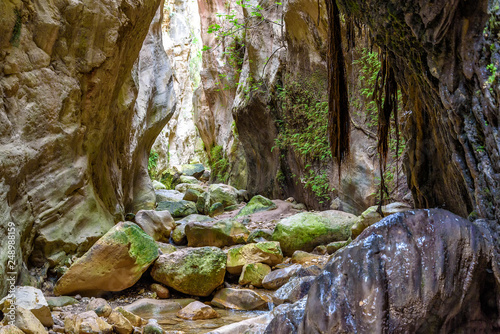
{"x": 100, "y": 307}
{"x": 61, "y": 301}
{"x": 240, "y": 299}
{"x": 161, "y": 291}
{"x": 121, "y": 325}
{"x": 253, "y": 274}
{"x": 301, "y": 257}
{"x": 134, "y": 319}
{"x": 152, "y": 327}
{"x": 197, "y": 311}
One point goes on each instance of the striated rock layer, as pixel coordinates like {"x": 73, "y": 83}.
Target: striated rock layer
{"x": 77, "y": 119}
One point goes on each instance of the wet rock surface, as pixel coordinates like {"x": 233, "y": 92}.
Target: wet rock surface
{"x": 419, "y": 271}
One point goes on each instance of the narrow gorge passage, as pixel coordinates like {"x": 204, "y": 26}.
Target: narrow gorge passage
{"x": 170, "y": 166}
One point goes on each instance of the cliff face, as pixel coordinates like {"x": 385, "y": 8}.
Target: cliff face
{"x": 180, "y": 142}
{"x": 446, "y": 58}
{"x": 77, "y": 120}
{"x": 283, "y": 52}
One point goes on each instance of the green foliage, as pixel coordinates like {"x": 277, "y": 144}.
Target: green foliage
{"x": 219, "y": 163}
{"x": 318, "y": 183}
{"x": 369, "y": 66}
{"x": 304, "y": 125}
{"x": 16, "y": 32}
{"x": 303, "y": 128}
{"x": 153, "y": 163}
{"x": 230, "y": 30}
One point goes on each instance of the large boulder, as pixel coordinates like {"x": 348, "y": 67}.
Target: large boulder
{"x": 168, "y": 195}
{"x": 157, "y": 224}
{"x": 193, "y": 271}
{"x": 423, "y": 271}
{"x": 305, "y": 231}
{"x": 177, "y": 209}
{"x": 240, "y": 299}
{"x": 223, "y": 193}
{"x": 219, "y": 234}
{"x": 114, "y": 263}
{"x": 263, "y": 252}
{"x": 195, "y": 170}
{"x": 370, "y": 216}
{"x": 257, "y": 203}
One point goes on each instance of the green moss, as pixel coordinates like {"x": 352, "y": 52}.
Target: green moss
{"x": 16, "y": 31}
{"x": 142, "y": 247}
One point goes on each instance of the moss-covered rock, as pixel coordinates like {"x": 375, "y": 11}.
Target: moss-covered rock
{"x": 216, "y": 209}
{"x": 260, "y": 235}
{"x": 222, "y": 233}
{"x": 184, "y": 187}
{"x": 178, "y": 209}
{"x": 223, "y": 193}
{"x": 115, "y": 262}
{"x": 336, "y": 245}
{"x": 192, "y": 195}
{"x": 370, "y": 216}
{"x": 306, "y": 230}
{"x": 256, "y": 204}
{"x": 193, "y": 271}
{"x": 253, "y": 274}
{"x": 262, "y": 252}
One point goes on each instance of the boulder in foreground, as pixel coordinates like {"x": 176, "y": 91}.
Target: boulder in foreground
{"x": 114, "y": 263}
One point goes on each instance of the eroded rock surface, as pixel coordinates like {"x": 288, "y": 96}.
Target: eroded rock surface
{"x": 76, "y": 120}
{"x": 420, "y": 271}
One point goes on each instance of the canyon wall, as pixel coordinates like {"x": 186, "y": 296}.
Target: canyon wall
{"x": 446, "y": 58}
{"x": 179, "y": 142}
{"x": 77, "y": 119}
{"x": 246, "y": 79}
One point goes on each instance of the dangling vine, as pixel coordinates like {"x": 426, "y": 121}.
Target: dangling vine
{"x": 338, "y": 101}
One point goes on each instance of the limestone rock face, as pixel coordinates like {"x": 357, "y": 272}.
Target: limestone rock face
{"x": 424, "y": 271}
{"x": 274, "y": 55}
{"x": 114, "y": 263}
{"x": 74, "y": 129}
{"x": 440, "y": 54}
{"x": 179, "y": 143}
{"x": 193, "y": 271}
